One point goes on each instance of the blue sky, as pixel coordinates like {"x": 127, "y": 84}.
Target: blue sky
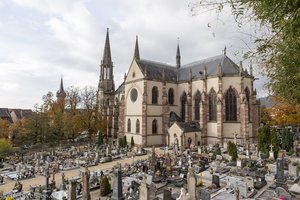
{"x": 42, "y": 40}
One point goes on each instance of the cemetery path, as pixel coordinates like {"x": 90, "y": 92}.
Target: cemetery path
{"x": 40, "y": 180}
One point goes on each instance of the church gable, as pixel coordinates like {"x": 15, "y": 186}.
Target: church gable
{"x": 134, "y": 72}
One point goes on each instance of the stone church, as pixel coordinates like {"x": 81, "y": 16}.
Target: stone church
{"x": 204, "y": 102}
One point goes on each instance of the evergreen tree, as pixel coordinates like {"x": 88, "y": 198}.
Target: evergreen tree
{"x": 287, "y": 139}
{"x": 265, "y": 137}
{"x": 105, "y": 186}
{"x": 132, "y": 142}
{"x": 232, "y": 150}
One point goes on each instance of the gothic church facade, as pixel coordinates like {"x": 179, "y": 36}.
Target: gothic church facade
{"x": 214, "y": 98}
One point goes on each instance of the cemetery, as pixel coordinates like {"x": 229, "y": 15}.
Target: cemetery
{"x": 167, "y": 173}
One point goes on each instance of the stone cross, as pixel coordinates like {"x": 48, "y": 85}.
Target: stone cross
{"x": 271, "y": 146}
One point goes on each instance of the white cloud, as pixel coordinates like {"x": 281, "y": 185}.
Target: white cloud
{"x": 45, "y": 39}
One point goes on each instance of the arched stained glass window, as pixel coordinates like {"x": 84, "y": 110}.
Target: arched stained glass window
{"x": 197, "y": 105}
{"x": 183, "y": 103}
{"x": 137, "y": 126}
{"x": 128, "y": 125}
{"x": 154, "y": 126}
{"x": 231, "y": 105}
{"x": 154, "y": 95}
{"x": 171, "y": 96}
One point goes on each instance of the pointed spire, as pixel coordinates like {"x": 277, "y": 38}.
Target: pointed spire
{"x": 190, "y": 75}
{"x": 61, "y": 92}
{"x": 224, "y": 51}
{"x": 106, "y": 60}
{"x": 136, "y": 49}
{"x": 178, "y": 62}
{"x": 241, "y": 68}
{"x": 251, "y": 69}
{"x": 125, "y": 76}
{"x": 61, "y": 88}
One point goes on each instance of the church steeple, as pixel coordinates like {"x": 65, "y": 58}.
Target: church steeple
{"x": 61, "y": 94}
{"x": 136, "y": 49}
{"x": 106, "y": 72}
{"x": 106, "y": 54}
{"x": 178, "y": 63}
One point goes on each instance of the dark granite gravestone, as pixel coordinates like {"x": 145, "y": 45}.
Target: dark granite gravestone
{"x": 72, "y": 190}
{"x": 167, "y": 195}
{"x": 203, "y": 194}
{"x": 280, "y": 179}
{"x": 216, "y": 180}
{"x": 117, "y": 185}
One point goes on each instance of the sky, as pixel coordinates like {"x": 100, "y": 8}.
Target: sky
{"x": 44, "y": 40}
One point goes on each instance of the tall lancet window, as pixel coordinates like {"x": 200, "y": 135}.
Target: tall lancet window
{"x": 247, "y": 92}
{"x": 197, "y": 105}
{"x": 231, "y": 105}
{"x": 171, "y": 96}
{"x": 212, "y": 105}
{"x": 137, "y": 128}
{"x": 154, "y": 126}
{"x": 154, "y": 95}
{"x": 128, "y": 125}
{"x": 183, "y": 103}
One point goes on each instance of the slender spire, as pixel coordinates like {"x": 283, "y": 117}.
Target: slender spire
{"x": 241, "y": 68}
{"x": 224, "y": 51}
{"x": 178, "y": 55}
{"x": 61, "y": 92}
{"x": 251, "y": 69}
{"x": 136, "y": 49}
{"x": 106, "y": 60}
{"x": 61, "y": 88}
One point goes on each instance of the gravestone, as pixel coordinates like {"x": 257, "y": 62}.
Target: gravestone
{"x": 293, "y": 172}
{"x": 86, "y": 184}
{"x": 63, "y": 183}
{"x": 167, "y": 195}
{"x": 282, "y": 192}
{"x": 203, "y": 194}
{"x": 144, "y": 190}
{"x": 117, "y": 185}
{"x": 250, "y": 182}
{"x": 238, "y": 163}
{"x": 191, "y": 181}
{"x": 216, "y": 180}
{"x": 280, "y": 179}
{"x": 72, "y": 190}
{"x": 243, "y": 189}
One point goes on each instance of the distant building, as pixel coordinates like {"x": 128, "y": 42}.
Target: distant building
{"x": 5, "y": 115}
{"x": 214, "y": 93}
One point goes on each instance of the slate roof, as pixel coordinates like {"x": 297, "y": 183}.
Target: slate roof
{"x": 212, "y": 64}
{"x": 155, "y": 69}
{"x": 5, "y": 115}
{"x": 189, "y": 126}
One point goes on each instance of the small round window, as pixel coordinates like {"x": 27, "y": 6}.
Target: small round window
{"x": 133, "y": 94}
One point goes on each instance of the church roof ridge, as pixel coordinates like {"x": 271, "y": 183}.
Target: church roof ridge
{"x": 159, "y": 64}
